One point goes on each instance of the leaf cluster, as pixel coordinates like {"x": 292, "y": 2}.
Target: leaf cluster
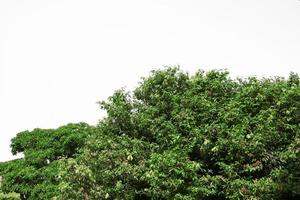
{"x": 36, "y": 175}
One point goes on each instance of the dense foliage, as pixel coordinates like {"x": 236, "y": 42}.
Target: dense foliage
{"x": 175, "y": 136}
{"x": 193, "y": 137}
{"x": 36, "y": 175}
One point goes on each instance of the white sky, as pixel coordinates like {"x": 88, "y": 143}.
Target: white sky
{"x": 58, "y": 57}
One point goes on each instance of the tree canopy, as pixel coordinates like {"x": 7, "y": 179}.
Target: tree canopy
{"x": 204, "y": 136}
{"x": 36, "y": 175}
{"x": 176, "y": 136}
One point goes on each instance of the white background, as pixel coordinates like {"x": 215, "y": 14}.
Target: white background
{"x": 58, "y": 57}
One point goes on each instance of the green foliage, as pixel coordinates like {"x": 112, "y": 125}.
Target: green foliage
{"x": 176, "y": 136}
{"x": 107, "y": 167}
{"x": 36, "y": 175}
{"x": 6, "y": 196}
{"x": 204, "y": 136}
{"x": 11, "y": 196}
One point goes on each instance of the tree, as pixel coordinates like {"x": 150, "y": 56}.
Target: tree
{"x": 36, "y": 175}
{"x": 204, "y": 136}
